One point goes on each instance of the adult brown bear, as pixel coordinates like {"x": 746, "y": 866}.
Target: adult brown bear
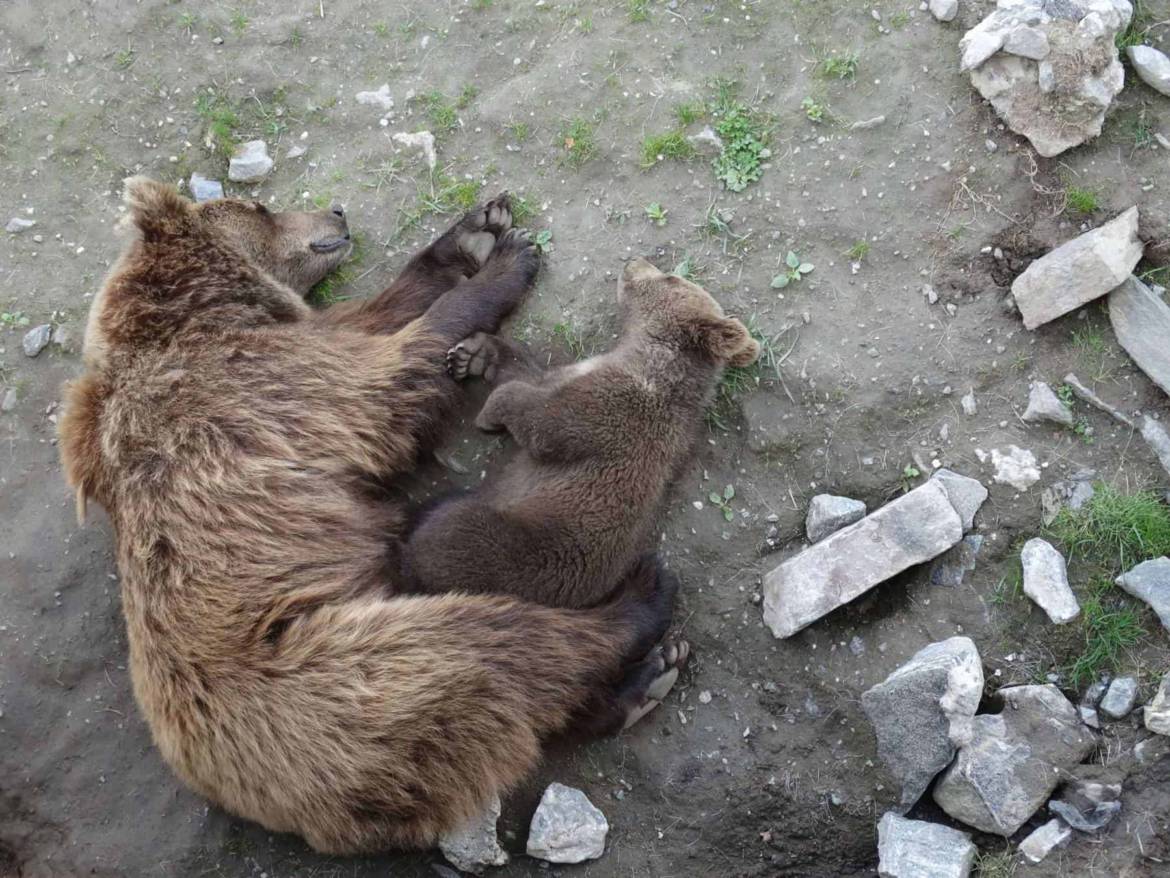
{"x": 237, "y": 440}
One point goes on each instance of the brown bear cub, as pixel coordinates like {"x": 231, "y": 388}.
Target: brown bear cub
{"x": 600, "y": 443}
{"x": 239, "y": 442}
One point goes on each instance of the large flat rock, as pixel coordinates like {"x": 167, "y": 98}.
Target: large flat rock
{"x": 1141, "y": 322}
{"x": 1078, "y": 271}
{"x": 917, "y": 849}
{"x": 1150, "y": 582}
{"x": 916, "y": 527}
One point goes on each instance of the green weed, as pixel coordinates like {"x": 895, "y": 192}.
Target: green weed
{"x": 1109, "y": 628}
{"x": 441, "y": 111}
{"x": 858, "y": 251}
{"x": 124, "y": 59}
{"x": 656, "y": 213}
{"x": 239, "y": 21}
{"x": 839, "y": 66}
{"x": 573, "y": 339}
{"x": 794, "y": 270}
{"x": 1114, "y": 531}
{"x": 1081, "y": 200}
{"x": 815, "y": 111}
{"x": 659, "y": 147}
{"x": 221, "y": 120}
{"x": 579, "y": 142}
{"x": 742, "y": 132}
{"x": 638, "y": 10}
{"x": 722, "y": 502}
{"x": 689, "y": 112}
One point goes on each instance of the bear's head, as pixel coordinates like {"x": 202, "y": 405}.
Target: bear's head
{"x": 297, "y": 248}
{"x": 675, "y": 311}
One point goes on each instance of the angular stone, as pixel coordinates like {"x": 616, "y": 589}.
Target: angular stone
{"x": 1151, "y": 66}
{"x": 17, "y": 224}
{"x": 475, "y": 846}
{"x": 1078, "y": 271}
{"x": 1014, "y": 760}
{"x": 204, "y": 189}
{"x": 423, "y": 141}
{"x": 1015, "y": 467}
{"x": 1045, "y": 405}
{"x": 36, "y": 339}
{"x": 1067, "y": 494}
{"x": 1157, "y": 712}
{"x": 566, "y": 827}
{"x": 944, "y": 10}
{"x": 1089, "y": 716}
{"x": 1150, "y": 582}
{"x": 950, "y": 568}
{"x": 1046, "y": 581}
{"x": 917, "y": 849}
{"x": 1157, "y": 438}
{"x": 1041, "y": 842}
{"x": 706, "y": 142}
{"x": 828, "y": 513}
{"x": 250, "y": 162}
{"x": 1141, "y": 322}
{"x": 966, "y": 494}
{"x": 970, "y": 404}
{"x": 1151, "y": 749}
{"x": 1087, "y": 806}
{"x": 923, "y": 711}
{"x": 1058, "y": 70}
{"x": 1120, "y": 698}
{"x": 914, "y": 528}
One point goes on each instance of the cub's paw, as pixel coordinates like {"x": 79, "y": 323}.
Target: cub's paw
{"x": 472, "y": 357}
{"x": 515, "y": 252}
{"x": 649, "y": 682}
{"x": 480, "y": 229}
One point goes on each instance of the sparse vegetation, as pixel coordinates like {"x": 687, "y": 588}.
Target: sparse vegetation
{"x": 638, "y": 10}
{"x": 690, "y": 112}
{"x": 239, "y": 21}
{"x": 441, "y": 111}
{"x": 124, "y": 59}
{"x": 579, "y": 142}
{"x": 858, "y": 251}
{"x": 1079, "y": 200}
{"x": 573, "y": 339}
{"x": 659, "y": 147}
{"x": 220, "y": 119}
{"x": 543, "y": 240}
{"x": 794, "y": 270}
{"x": 656, "y": 213}
{"x": 1110, "y": 626}
{"x": 722, "y": 502}
{"x": 998, "y": 864}
{"x": 839, "y": 66}
{"x": 813, "y": 110}
{"x": 743, "y": 134}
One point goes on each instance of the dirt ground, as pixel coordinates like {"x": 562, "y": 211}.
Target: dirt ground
{"x": 762, "y": 762}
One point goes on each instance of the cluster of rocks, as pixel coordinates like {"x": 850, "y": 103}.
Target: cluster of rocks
{"x": 566, "y": 828}
{"x": 843, "y": 564}
{"x": 1050, "y": 68}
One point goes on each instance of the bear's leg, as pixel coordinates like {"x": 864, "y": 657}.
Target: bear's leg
{"x": 644, "y": 685}
{"x": 493, "y": 358}
{"x": 481, "y": 302}
{"x": 457, "y": 254}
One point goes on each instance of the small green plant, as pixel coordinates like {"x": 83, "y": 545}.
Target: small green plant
{"x": 572, "y": 339}
{"x": 738, "y": 164}
{"x": 794, "y": 270}
{"x": 579, "y": 142}
{"x": 722, "y": 502}
{"x": 909, "y": 473}
{"x": 239, "y": 21}
{"x": 1001, "y": 864}
{"x": 1139, "y": 26}
{"x": 543, "y": 240}
{"x": 187, "y": 22}
{"x": 638, "y": 10}
{"x": 1109, "y": 629}
{"x": 466, "y": 96}
{"x": 296, "y": 38}
{"x": 839, "y": 66}
{"x": 656, "y": 213}
{"x": 221, "y": 121}
{"x": 441, "y": 111}
{"x": 1082, "y": 201}
{"x": 519, "y": 131}
{"x": 672, "y": 145}
{"x": 1114, "y": 531}
{"x": 14, "y": 319}
{"x": 858, "y": 251}
{"x": 381, "y": 28}
{"x": 813, "y": 110}
{"x": 522, "y": 210}
{"x": 481, "y": 4}
{"x": 899, "y": 19}
{"x": 687, "y": 269}
{"x": 689, "y": 112}
{"x": 124, "y": 58}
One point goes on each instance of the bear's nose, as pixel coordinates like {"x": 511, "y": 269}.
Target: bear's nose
{"x": 338, "y": 210}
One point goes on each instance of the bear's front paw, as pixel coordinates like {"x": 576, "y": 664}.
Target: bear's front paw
{"x": 472, "y": 357}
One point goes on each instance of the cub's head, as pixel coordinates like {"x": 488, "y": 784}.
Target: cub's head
{"x": 298, "y": 248}
{"x": 678, "y": 312}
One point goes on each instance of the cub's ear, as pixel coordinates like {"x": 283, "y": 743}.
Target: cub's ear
{"x": 728, "y": 341}
{"x": 155, "y": 208}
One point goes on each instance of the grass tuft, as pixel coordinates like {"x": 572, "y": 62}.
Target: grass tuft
{"x": 579, "y": 142}
{"x": 1114, "y": 531}
{"x": 672, "y": 145}
{"x": 1109, "y": 628}
{"x": 1081, "y": 200}
{"x": 839, "y": 66}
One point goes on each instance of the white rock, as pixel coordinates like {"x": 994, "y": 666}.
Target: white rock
{"x": 706, "y": 142}
{"x": 1042, "y": 840}
{"x": 17, "y": 224}
{"x": 1089, "y": 716}
{"x": 914, "y": 528}
{"x": 566, "y": 827}
{"x": 970, "y": 406}
{"x": 1046, "y": 581}
{"x": 917, "y": 849}
{"x": 1157, "y": 712}
{"x": 250, "y": 162}
{"x": 1152, "y": 67}
{"x": 203, "y": 188}
{"x": 966, "y": 494}
{"x": 1015, "y": 467}
{"x": 828, "y": 513}
{"x": 36, "y": 339}
{"x": 475, "y": 846}
{"x": 1078, "y": 271}
{"x": 944, "y": 10}
{"x": 1027, "y": 42}
{"x": 296, "y": 151}
{"x": 380, "y": 98}
{"x": 423, "y": 141}
{"x": 1150, "y": 582}
{"x": 922, "y": 712}
{"x": 1045, "y": 405}
{"x": 1120, "y": 698}
{"x": 10, "y": 400}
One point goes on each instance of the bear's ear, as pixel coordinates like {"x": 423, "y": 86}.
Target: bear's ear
{"x": 728, "y": 341}
{"x": 155, "y": 208}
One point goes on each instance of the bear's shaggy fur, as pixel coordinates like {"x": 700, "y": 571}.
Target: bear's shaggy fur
{"x": 601, "y": 441}
{"x": 238, "y": 441}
